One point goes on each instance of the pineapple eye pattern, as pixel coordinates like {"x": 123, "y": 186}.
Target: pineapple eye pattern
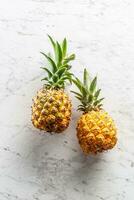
{"x": 51, "y": 110}
{"x": 96, "y": 130}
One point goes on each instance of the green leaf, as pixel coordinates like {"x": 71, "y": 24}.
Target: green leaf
{"x": 54, "y": 44}
{"x": 64, "y": 47}
{"x": 71, "y": 57}
{"x": 50, "y": 55}
{"x": 77, "y": 84}
{"x": 81, "y": 109}
{"x": 69, "y": 67}
{"x": 52, "y": 41}
{"x": 65, "y": 66}
{"x": 60, "y": 86}
{"x": 85, "y": 78}
{"x": 50, "y": 60}
{"x": 80, "y": 86}
{"x": 80, "y": 106}
{"x": 98, "y": 101}
{"x": 61, "y": 71}
{"x": 65, "y": 77}
{"x": 60, "y": 82}
{"x": 93, "y": 85}
{"x": 77, "y": 93}
{"x": 83, "y": 88}
{"x": 79, "y": 98}
{"x": 50, "y": 83}
{"x": 97, "y": 93}
{"x": 48, "y": 71}
{"x": 90, "y": 98}
{"x": 59, "y": 53}
{"x": 55, "y": 78}
{"x": 100, "y": 105}
{"x": 44, "y": 79}
{"x": 69, "y": 74}
{"x": 47, "y": 85}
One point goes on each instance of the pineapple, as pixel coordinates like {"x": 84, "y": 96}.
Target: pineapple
{"x": 96, "y": 130}
{"x": 51, "y": 109}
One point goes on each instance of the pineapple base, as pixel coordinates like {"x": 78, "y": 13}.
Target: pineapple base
{"x": 96, "y": 132}
{"x": 51, "y": 110}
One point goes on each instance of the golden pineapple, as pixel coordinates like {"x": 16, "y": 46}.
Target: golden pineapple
{"x": 96, "y": 130}
{"x": 51, "y": 110}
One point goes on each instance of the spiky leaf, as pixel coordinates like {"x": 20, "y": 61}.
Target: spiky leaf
{"x": 50, "y": 60}
{"x": 48, "y": 71}
{"x": 52, "y": 41}
{"x": 59, "y": 53}
{"x": 98, "y": 101}
{"x": 93, "y": 85}
{"x": 90, "y": 98}
{"x": 71, "y": 57}
{"x": 64, "y": 47}
{"x": 77, "y": 94}
{"x": 86, "y": 78}
{"x": 88, "y": 93}
{"x": 45, "y": 79}
{"x": 97, "y": 93}
{"x": 59, "y": 72}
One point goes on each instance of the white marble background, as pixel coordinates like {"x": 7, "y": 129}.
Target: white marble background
{"x": 38, "y": 166}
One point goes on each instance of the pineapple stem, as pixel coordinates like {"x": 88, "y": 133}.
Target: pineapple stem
{"x": 59, "y": 71}
{"x": 88, "y": 94}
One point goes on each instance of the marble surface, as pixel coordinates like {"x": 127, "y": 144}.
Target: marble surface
{"x": 39, "y": 166}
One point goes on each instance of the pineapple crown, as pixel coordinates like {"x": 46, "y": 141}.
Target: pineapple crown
{"x": 88, "y": 93}
{"x": 59, "y": 72}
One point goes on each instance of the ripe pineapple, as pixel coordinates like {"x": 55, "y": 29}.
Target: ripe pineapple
{"x": 51, "y": 110}
{"x": 96, "y": 130}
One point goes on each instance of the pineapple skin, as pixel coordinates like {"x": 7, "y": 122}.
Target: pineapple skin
{"x": 51, "y": 110}
{"x": 96, "y": 132}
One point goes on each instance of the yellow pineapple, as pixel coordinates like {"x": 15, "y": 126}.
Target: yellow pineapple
{"x": 96, "y": 130}
{"x": 51, "y": 109}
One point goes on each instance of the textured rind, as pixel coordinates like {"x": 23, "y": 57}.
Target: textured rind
{"x": 96, "y": 132}
{"x": 51, "y": 110}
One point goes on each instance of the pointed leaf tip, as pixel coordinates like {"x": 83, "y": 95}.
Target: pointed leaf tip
{"x": 59, "y": 52}
{"x": 50, "y": 60}
{"x": 93, "y": 84}
{"x": 85, "y": 78}
{"x": 64, "y": 47}
{"x": 97, "y": 93}
{"x": 51, "y": 39}
{"x": 48, "y": 71}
